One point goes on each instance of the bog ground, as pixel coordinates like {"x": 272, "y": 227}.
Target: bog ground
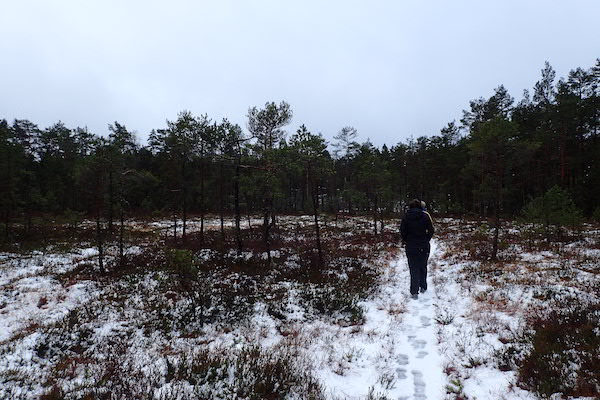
{"x": 198, "y": 320}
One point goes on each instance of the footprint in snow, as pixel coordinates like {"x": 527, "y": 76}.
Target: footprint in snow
{"x": 425, "y": 321}
{"x": 419, "y": 385}
{"x": 419, "y": 344}
{"x": 402, "y": 359}
{"x": 401, "y": 373}
{"x": 422, "y": 354}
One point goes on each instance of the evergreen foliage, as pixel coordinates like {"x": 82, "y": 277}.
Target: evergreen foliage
{"x": 555, "y": 208}
{"x": 501, "y": 155}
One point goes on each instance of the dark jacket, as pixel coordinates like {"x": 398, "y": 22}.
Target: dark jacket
{"x": 416, "y": 229}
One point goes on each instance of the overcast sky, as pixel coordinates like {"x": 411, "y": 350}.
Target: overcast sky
{"x": 392, "y": 69}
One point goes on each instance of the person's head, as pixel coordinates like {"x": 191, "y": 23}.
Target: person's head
{"x": 423, "y": 205}
{"x": 416, "y": 203}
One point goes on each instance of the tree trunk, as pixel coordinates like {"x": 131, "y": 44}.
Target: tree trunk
{"x": 268, "y": 216}
{"x": 99, "y": 243}
{"x": 496, "y": 230}
{"x": 121, "y": 238}
{"x": 174, "y": 223}
{"x": 201, "y": 201}
{"x": 315, "y": 201}
{"x": 183, "y": 218}
{"x": 99, "y": 239}
{"x": 221, "y": 202}
{"x": 496, "y": 236}
{"x": 266, "y": 235}
{"x": 238, "y": 216}
{"x": 183, "y": 201}
{"x": 292, "y": 195}
{"x": 248, "y": 216}
{"x": 6, "y": 224}
{"x": 272, "y": 210}
{"x": 375, "y": 214}
{"x": 562, "y": 163}
{"x": 110, "y": 198}
{"x": 28, "y": 222}
{"x": 303, "y": 192}
{"x": 350, "y": 210}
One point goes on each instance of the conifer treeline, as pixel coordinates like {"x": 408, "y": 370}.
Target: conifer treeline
{"x": 500, "y": 156}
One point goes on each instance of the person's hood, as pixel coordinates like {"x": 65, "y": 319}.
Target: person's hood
{"x": 414, "y": 213}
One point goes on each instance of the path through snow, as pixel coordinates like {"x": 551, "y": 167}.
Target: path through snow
{"x": 397, "y": 352}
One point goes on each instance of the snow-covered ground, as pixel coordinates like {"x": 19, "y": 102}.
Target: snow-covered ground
{"x": 56, "y": 331}
{"x": 394, "y": 353}
{"x": 31, "y": 295}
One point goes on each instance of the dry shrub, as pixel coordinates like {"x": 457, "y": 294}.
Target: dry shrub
{"x": 54, "y": 393}
{"x": 251, "y": 373}
{"x": 564, "y": 354}
{"x": 167, "y": 274}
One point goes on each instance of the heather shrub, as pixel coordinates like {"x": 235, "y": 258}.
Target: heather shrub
{"x": 564, "y": 352}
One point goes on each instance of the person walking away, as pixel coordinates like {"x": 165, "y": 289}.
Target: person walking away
{"x": 416, "y": 230}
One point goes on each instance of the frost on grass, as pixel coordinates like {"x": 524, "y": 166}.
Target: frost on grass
{"x": 522, "y": 326}
{"x": 181, "y": 320}
{"x": 188, "y": 320}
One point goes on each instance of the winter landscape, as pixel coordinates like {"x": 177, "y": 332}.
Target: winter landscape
{"x": 299, "y": 200}
{"x": 179, "y": 322}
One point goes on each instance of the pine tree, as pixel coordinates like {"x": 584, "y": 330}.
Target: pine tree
{"x": 314, "y": 160}
{"x": 266, "y": 126}
{"x": 493, "y": 149}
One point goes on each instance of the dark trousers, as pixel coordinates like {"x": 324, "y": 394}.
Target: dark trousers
{"x": 417, "y": 264}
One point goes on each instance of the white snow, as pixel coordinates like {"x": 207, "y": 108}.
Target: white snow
{"x": 437, "y": 347}
{"x": 31, "y": 296}
{"x": 394, "y": 353}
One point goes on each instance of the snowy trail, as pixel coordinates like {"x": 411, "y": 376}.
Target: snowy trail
{"x": 418, "y": 357}
{"x": 398, "y": 354}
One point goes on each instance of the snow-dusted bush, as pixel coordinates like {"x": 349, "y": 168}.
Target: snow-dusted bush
{"x": 250, "y": 373}
{"x": 564, "y": 351}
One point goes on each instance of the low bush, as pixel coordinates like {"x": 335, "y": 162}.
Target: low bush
{"x": 554, "y": 210}
{"x": 564, "y": 352}
{"x": 251, "y": 373}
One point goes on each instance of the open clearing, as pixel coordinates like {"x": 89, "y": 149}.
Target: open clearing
{"x": 223, "y": 325}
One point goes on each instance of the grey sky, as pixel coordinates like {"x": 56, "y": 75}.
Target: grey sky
{"x": 391, "y": 69}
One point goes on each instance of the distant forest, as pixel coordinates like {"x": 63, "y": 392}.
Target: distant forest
{"x": 500, "y": 156}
